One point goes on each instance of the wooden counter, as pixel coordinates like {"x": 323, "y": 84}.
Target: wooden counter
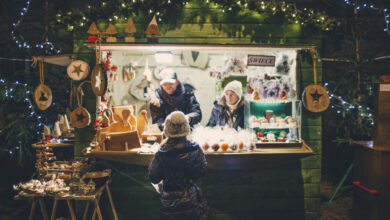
{"x": 260, "y": 157}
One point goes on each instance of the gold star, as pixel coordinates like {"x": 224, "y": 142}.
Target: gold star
{"x": 77, "y": 69}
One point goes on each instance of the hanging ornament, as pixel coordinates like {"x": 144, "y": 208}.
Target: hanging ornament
{"x": 80, "y": 117}
{"x": 78, "y": 70}
{"x": 128, "y": 72}
{"x": 42, "y": 93}
{"x": 315, "y": 98}
{"x": 157, "y": 71}
{"x": 99, "y": 79}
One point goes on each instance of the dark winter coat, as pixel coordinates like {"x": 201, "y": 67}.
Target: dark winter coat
{"x": 179, "y": 163}
{"x": 219, "y": 115}
{"x": 183, "y": 99}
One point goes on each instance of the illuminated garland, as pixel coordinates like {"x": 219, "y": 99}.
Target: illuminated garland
{"x": 9, "y": 91}
{"x": 338, "y": 103}
{"x": 25, "y": 44}
{"x": 373, "y": 7}
{"x": 120, "y": 9}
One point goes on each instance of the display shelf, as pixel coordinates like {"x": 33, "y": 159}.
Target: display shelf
{"x": 275, "y": 126}
{"x": 274, "y": 120}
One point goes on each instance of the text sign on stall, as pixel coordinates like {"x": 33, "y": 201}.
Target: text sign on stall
{"x": 261, "y": 60}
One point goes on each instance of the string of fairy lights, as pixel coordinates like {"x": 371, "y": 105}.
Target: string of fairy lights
{"x": 364, "y": 5}
{"x": 303, "y": 16}
{"x": 339, "y": 104}
{"x": 9, "y": 92}
{"x": 25, "y": 44}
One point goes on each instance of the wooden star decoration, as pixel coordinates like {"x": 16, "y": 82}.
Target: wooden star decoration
{"x": 80, "y": 117}
{"x": 43, "y": 97}
{"x": 98, "y": 81}
{"x": 77, "y": 69}
{"x": 316, "y": 96}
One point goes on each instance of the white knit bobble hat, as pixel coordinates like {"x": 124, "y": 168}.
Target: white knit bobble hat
{"x": 176, "y": 125}
{"x": 234, "y": 86}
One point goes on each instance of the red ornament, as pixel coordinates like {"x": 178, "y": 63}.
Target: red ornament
{"x": 92, "y": 39}
{"x": 260, "y": 134}
{"x": 206, "y": 146}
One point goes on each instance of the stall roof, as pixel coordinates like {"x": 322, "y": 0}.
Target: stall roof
{"x": 199, "y": 47}
{"x": 61, "y": 60}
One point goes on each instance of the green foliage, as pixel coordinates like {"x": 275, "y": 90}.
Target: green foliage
{"x": 23, "y": 121}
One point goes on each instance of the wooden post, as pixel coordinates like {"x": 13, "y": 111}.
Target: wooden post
{"x": 97, "y": 208}
{"x": 111, "y": 201}
{"x": 72, "y": 214}
{"x": 53, "y": 212}
{"x": 43, "y": 210}
{"x": 86, "y": 210}
{"x": 32, "y": 211}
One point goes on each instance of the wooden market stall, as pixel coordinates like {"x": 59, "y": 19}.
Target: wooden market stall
{"x": 270, "y": 183}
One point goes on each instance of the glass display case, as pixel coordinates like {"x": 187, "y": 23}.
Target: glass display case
{"x": 274, "y": 123}
{"x": 272, "y": 110}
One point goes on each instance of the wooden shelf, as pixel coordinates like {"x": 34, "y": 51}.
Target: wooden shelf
{"x": 52, "y": 145}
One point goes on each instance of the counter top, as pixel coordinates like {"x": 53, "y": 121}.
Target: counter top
{"x": 370, "y": 145}
{"x": 215, "y": 160}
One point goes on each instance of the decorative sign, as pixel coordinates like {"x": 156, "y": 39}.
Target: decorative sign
{"x": 261, "y": 60}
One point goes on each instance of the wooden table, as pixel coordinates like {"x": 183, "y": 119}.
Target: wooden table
{"x": 68, "y": 197}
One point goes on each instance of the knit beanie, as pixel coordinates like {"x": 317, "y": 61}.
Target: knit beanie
{"x": 234, "y": 86}
{"x": 176, "y": 125}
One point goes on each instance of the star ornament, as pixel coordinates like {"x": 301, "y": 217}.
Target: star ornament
{"x": 98, "y": 80}
{"x": 80, "y": 117}
{"x": 316, "y": 96}
{"x": 77, "y": 69}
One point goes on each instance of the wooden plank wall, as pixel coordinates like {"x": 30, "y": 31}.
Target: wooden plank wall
{"x": 281, "y": 191}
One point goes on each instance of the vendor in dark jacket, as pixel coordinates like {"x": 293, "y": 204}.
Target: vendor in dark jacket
{"x": 174, "y": 96}
{"x": 230, "y": 108}
{"x": 178, "y": 164}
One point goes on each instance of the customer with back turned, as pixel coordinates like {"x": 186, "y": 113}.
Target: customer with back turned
{"x": 175, "y": 168}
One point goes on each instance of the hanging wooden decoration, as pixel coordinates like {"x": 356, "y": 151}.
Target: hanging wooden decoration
{"x": 99, "y": 80}
{"x": 42, "y": 93}
{"x": 80, "y": 117}
{"x": 315, "y": 97}
{"x": 78, "y": 70}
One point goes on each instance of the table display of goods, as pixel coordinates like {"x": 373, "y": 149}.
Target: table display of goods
{"x": 223, "y": 139}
